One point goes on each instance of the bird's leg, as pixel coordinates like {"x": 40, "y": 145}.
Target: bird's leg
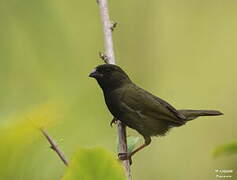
{"x": 126, "y": 156}
{"x": 147, "y": 142}
{"x": 114, "y": 121}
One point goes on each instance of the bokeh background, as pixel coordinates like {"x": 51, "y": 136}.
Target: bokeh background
{"x": 183, "y": 51}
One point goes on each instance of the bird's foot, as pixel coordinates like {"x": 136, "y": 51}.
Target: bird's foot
{"x": 125, "y": 156}
{"x": 114, "y": 121}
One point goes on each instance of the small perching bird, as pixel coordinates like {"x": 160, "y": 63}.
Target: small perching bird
{"x": 139, "y": 109}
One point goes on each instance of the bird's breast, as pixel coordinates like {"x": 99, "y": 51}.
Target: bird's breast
{"x": 113, "y": 101}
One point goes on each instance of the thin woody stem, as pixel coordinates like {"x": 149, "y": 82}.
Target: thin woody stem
{"x": 54, "y": 146}
{"x": 108, "y": 41}
{"x": 110, "y": 59}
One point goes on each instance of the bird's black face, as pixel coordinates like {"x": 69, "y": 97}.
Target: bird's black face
{"x": 109, "y": 76}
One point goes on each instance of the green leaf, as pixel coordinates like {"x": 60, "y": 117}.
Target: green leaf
{"x": 94, "y": 164}
{"x": 226, "y": 149}
{"x": 19, "y": 135}
{"x": 132, "y": 141}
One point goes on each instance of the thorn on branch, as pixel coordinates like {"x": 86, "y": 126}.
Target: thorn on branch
{"x": 104, "y": 57}
{"x": 113, "y": 25}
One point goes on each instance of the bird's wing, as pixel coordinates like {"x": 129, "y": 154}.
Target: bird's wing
{"x": 169, "y": 107}
{"x": 149, "y": 105}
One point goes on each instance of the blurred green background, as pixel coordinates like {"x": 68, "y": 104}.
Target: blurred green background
{"x": 183, "y": 51}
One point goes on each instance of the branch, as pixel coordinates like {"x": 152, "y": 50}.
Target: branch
{"x": 54, "y": 146}
{"x": 110, "y": 59}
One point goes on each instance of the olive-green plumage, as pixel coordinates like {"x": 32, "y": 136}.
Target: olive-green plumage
{"x": 137, "y": 108}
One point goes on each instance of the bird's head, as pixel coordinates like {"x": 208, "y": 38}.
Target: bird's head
{"x": 109, "y": 76}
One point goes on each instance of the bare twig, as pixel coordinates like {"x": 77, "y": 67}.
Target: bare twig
{"x": 108, "y": 42}
{"x": 123, "y": 148}
{"x": 109, "y": 52}
{"x": 54, "y": 146}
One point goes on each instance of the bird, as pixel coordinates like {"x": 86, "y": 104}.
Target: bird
{"x": 137, "y": 108}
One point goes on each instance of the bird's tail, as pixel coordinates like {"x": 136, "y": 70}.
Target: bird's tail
{"x": 193, "y": 114}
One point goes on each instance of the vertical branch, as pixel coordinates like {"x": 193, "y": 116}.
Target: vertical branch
{"x": 108, "y": 41}
{"x": 123, "y": 148}
{"x": 109, "y": 54}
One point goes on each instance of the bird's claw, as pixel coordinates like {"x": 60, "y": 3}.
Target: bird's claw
{"x": 114, "y": 121}
{"x": 124, "y": 157}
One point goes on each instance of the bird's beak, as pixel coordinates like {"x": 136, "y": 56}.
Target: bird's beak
{"x": 95, "y": 74}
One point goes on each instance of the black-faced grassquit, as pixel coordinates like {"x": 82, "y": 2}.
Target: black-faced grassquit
{"x": 139, "y": 109}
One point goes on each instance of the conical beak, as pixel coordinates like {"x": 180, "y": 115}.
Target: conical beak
{"x": 95, "y": 74}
